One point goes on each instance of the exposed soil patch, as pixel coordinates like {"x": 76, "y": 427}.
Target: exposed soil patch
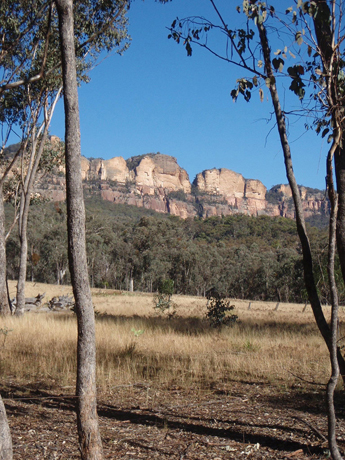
{"x": 240, "y": 420}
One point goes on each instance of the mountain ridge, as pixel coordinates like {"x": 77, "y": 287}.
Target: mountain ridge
{"x": 156, "y": 181}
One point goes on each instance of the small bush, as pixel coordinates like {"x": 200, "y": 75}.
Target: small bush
{"x": 162, "y": 300}
{"x": 217, "y": 312}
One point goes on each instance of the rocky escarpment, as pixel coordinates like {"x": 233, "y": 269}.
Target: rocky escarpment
{"x": 280, "y": 202}
{"x": 235, "y": 192}
{"x": 148, "y": 172}
{"x": 157, "y": 182}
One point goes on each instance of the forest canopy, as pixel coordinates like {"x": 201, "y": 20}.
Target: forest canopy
{"x": 256, "y": 258}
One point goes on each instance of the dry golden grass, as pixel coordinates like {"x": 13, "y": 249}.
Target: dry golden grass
{"x": 135, "y": 345}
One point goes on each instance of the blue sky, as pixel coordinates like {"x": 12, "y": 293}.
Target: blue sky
{"x": 154, "y": 98}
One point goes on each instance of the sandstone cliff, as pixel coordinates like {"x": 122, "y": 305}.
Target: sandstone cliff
{"x": 157, "y": 182}
{"x": 237, "y": 193}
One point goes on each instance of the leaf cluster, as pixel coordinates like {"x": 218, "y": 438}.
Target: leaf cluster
{"x": 217, "y": 312}
{"x": 30, "y": 48}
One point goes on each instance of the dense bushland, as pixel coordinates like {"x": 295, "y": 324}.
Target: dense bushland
{"x": 239, "y": 256}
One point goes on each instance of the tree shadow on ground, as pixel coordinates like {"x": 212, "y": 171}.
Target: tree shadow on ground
{"x": 162, "y": 420}
{"x": 194, "y": 325}
{"x": 183, "y": 325}
{"x": 307, "y": 401}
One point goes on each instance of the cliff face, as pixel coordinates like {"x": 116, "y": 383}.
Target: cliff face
{"x": 157, "y": 182}
{"x": 148, "y": 173}
{"x": 280, "y": 202}
{"x": 237, "y": 193}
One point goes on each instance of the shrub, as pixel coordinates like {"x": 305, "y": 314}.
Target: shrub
{"x": 162, "y": 300}
{"x": 217, "y": 312}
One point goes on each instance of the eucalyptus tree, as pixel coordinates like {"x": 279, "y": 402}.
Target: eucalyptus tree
{"x": 80, "y": 31}
{"x": 30, "y": 85}
{"x": 317, "y": 25}
{"x": 89, "y": 436}
{"x": 30, "y": 161}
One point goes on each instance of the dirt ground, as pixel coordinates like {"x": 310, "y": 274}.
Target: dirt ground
{"x": 238, "y": 421}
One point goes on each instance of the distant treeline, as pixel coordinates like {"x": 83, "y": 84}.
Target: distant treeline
{"x": 257, "y": 258}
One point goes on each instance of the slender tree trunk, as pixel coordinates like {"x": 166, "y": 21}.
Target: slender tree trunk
{"x": 329, "y": 53}
{"x": 4, "y": 303}
{"x": 27, "y": 187}
{"x": 339, "y": 158}
{"x": 89, "y": 436}
{"x": 332, "y": 383}
{"x": 301, "y": 227}
{"x": 5, "y": 435}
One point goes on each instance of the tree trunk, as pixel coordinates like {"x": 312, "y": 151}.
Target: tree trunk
{"x": 332, "y": 383}
{"x": 4, "y": 303}
{"x": 301, "y": 227}
{"x": 5, "y": 435}
{"x": 329, "y": 53}
{"x": 23, "y": 217}
{"x": 339, "y": 159}
{"x": 89, "y": 436}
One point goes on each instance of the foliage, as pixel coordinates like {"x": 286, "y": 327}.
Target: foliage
{"x": 166, "y": 287}
{"x": 177, "y": 195}
{"x": 162, "y": 300}
{"x": 245, "y": 257}
{"x": 274, "y": 195}
{"x": 5, "y": 331}
{"x": 30, "y": 38}
{"x": 134, "y": 161}
{"x": 217, "y": 312}
{"x": 137, "y": 333}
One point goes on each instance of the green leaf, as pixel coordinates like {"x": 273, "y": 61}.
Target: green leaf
{"x": 324, "y": 132}
{"x": 300, "y": 69}
{"x": 188, "y": 49}
{"x": 299, "y": 38}
{"x": 234, "y": 94}
{"x": 247, "y": 96}
{"x": 278, "y": 64}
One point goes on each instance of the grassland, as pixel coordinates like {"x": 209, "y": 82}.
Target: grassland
{"x": 135, "y": 344}
{"x": 170, "y": 388}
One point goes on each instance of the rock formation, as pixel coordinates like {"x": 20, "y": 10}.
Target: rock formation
{"x": 157, "y": 182}
{"x": 237, "y": 193}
